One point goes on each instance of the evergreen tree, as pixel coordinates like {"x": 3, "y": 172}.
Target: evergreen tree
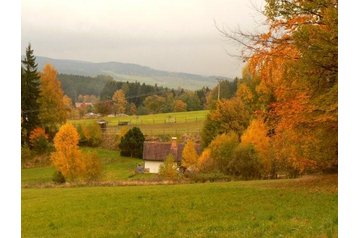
{"x": 132, "y": 143}
{"x": 30, "y": 90}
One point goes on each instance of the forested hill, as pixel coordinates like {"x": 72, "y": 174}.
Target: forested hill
{"x": 104, "y": 86}
{"x": 130, "y": 72}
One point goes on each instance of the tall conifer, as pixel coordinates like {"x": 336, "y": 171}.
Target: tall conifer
{"x": 30, "y": 90}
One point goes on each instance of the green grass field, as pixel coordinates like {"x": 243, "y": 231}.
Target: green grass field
{"x": 305, "y": 207}
{"x": 115, "y": 167}
{"x": 174, "y": 124}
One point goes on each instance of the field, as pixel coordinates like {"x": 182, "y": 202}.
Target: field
{"x": 305, "y": 207}
{"x": 157, "y": 124}
{"x": 115, "y": 167}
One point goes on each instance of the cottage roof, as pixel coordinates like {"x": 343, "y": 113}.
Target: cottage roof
{"x": 158, "y": 151}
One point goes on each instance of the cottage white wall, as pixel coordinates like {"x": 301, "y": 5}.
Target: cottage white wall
{"x": 153, "y": 166}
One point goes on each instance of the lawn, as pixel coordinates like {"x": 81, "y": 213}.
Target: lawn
{"x": 305, "y": 207}
{"x": 115, "y": 167}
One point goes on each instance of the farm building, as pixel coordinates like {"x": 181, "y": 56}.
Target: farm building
{"x": 154, "y": 153}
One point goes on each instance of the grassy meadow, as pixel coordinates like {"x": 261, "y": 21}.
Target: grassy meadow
{"x": 176, "y": 123}
{"x": 305, "y": 207}
{"x": 115, "y": 167}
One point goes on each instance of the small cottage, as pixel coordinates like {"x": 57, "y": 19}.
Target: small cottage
{"x": 154, "y": 153}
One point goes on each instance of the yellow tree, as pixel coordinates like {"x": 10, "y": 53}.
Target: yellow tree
{"x": 256, "y": 134}
{"x": 190, "y": 156}
{"x": 67, "y": 157}
{"x": 52, "y": 107}
{"x": 119, "y": 101}
{"x": 205, "y": 161}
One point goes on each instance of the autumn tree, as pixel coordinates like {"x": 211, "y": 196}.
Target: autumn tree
{"x": 104, "y": 107}
{"x": 38, "y": 140}
{"x": 168, "y": 169}
{"x": 245, "y": 163}
{"x": 30, "y": 92}
{"x": 179, "y": 106}
{"x": 154, "y": 104}
{"x": 257, "y": 135}
{"x": 205, "y": 161}
{"x": 223, "y": 149}
{"x": 120, "y": 101}
{"x": 69, "y": 160}
{"x": 90, "y": 134}
{"x": 67, "y": 102}
{"x": 52, "y": 107}
{"x": 67, "y": 157}
{"x": 190, "y": 156}
{"x": 132, "y": 109}
{"x": 296, "y": 62}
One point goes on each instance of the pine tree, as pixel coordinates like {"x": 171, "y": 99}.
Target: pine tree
{"x": 30, "y": 90}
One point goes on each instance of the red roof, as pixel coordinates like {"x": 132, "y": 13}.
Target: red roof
{"x": 158, "y": 151}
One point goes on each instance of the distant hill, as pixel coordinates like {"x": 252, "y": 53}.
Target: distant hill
{"x": 131, "y": 73}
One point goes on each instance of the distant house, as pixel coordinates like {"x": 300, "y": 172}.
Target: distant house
{"x": 83, "y": 104}
{"x": 154, "y": 153}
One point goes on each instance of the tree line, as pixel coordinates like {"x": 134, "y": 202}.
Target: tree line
{"x": 283, "y": 118}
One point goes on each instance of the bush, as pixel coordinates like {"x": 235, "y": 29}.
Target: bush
{"x": 246, "y": 163}
{"x": 90, "y": 134}
{"x": 211, "y": 177}
{"x": 91, "y": 166}
{"x": 169, "y": 170}
{"x": 132, "y": 143}
{"x": 26, "y": 154}
{"x": 58, "y": 177}
{"x": 223, "y": 149}
{"x": 39, "y": 141}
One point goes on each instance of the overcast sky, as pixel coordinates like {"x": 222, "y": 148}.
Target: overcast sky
{"x": 175, "y": 35}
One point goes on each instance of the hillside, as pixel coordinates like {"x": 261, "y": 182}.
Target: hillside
{"x": 130, "y": 73}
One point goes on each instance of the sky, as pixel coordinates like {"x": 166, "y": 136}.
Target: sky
{"x": 175, "y": 35}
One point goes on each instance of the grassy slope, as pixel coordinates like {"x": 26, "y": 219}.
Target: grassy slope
{"x": 283, "y": 208}
{"x": 115, "y": 167}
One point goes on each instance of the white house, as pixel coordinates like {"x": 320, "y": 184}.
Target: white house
{"x": 154, "y": 153}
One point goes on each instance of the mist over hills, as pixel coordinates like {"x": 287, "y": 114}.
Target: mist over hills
{"x": 131, "y": 73}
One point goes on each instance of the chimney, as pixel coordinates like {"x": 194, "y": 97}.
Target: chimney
{"x": 174, "y": 148}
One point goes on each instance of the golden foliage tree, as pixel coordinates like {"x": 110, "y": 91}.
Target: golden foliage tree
{"x": 67, "y": 157}
{"x": 256, "y": 134}
{"x": 69, "y": 160}
{"x": 52, "y": 107}
{"x": 169, "y": 168}
{"x": 120, "y": 101}
{"x": 190, "y": 156}
{"x": 205, "y": 161}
